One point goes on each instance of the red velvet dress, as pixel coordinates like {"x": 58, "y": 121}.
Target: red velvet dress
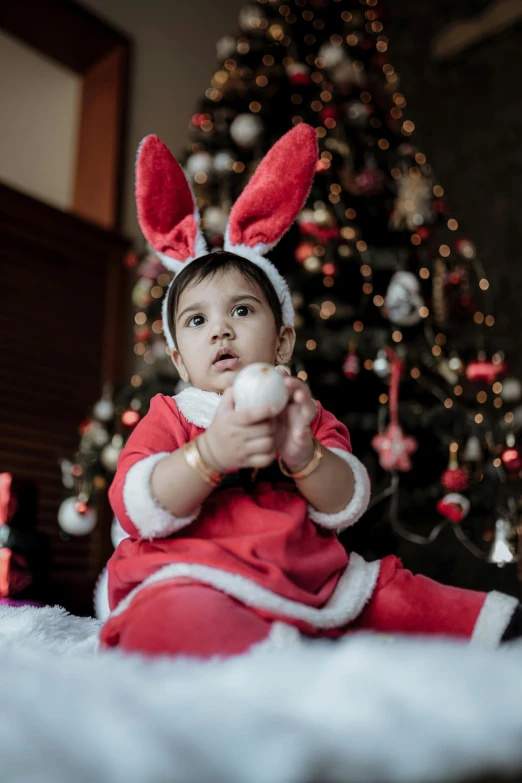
{"x": 264, "y": 550}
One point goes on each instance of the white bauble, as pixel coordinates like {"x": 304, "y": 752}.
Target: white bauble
{"x": 98, "y": 434}
{"x": 223, "y": 161}
{"x": 215, "y": 219}
{"x": 104, "y": 409}
{"x": 117, "y": 533}
{"x": 246, "y": 129}
{"x": 259, "y": 384}
{"x": 199, "y": 162}
{"x": 110, "y": 456}
{"x": 101, "y": 597}
{"x": 74, "y": 523}
{"x": 226, "y": 47}
{"x": 473, "y": 449}
{"x": 249, "y": 18}
{"x": 403, "y": 300}
{"x": 511, "y": 390}
{"x": 332, "y": 55}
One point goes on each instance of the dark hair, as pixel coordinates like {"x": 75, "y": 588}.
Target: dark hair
{"x": 220, "y": 262}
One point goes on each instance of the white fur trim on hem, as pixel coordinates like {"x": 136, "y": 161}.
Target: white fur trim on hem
{"x": 357, "y": 505}
{"x": 353, "y": 590}
{"x": 493, "y": 619}
{"x": 198, "y": 406}
{"x": 147, "y": 515}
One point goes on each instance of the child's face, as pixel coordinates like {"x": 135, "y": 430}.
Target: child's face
{"x": 226, "y": 311}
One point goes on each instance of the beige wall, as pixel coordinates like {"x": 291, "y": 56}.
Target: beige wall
{"x": 174, "y": 57}
{"x": 39, "y": 102}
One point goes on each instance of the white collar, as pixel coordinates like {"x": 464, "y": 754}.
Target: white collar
{"x": 198, "y": 406}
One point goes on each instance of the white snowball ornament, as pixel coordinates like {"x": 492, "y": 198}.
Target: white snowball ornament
{"x": 332, "y": 55}
{"x": 259, "y": 384}
{"x": 246, "y": 129}
{"x": 199, "y": 162}
{"x": 223, "y": 161}
{"x": 111, "y": 453}
{"x": 104, "y": 409}
{"x": 72, "y": 521}
{"x": 403, "y": 300}
{"x": 511, "y": 390}
{"x": 226, "y": 47}
{"x": 250, "y": 17}
{"x": 215, "y": 219}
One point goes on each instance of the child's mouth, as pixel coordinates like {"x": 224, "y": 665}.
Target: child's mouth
{"x": 227, "y": 362}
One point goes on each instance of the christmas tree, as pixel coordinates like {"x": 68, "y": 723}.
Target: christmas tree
{"x": 395, "y": 333}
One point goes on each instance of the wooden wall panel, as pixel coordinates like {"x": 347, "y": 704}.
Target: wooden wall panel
{"x": 62, "y": 294}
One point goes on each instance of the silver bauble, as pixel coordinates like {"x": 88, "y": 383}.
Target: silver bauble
{"x": 511, "y": 390}
{"x": 199, "y": 162}
{"x": 215, "y": 219}
{"x": 332, "y": 55}
{"x": 223, "y": 161}
{"x": 74, "y": 523}
{"x": 246, "y": 129}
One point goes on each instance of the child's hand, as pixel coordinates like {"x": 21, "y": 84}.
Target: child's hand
{"x": 295, "y": 441}
{"x": 239, "y": 439}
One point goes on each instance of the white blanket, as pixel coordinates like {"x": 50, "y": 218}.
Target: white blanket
{"x": 370, "y": 709}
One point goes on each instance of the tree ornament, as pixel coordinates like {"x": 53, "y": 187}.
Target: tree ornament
{"x": 251, "y": 18}
{"x": 76, "y": 518}
{"x": 303, "y": 251}
{"x": 246, "y": 129}
{"x": 455, "y": 478}
{"x": 103, "y": 410}
{"x": 485, "y": 371}
{"x": 111, "y": 453}
{"x": 226, "y": 47}
{"x": 94, "y": 436}
{"x": 511, "y": 459}
{"x": 345, "y": 74}
{"x": 199, "y": 162}
{"x": 298, "y": 74}
{"x": 454, "y": 507}
{"x": 502, "y": 551}
{"x": 369, "y": 181}
{"x": 473, "y": 449}
{"x": 215, "y": 219}
{"x": 358, "y": 114}
{"x": 130, "y": 418}
{"x": 403, "y": 299}
{"x": 223, "y": 161}
{"x": 511, "y": 390}
{"x": 393, "y": 446}
{"x": 352, "y": 365}
{"x": 332, "y": 55}
{"x": 413, "y": 204}
{"x": 465, "y": 247}
{"x": 259, "y": 384}
{"x": 381, "y": 365}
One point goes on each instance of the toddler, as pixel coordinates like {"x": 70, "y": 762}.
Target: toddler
{"x": 233, "y": 515}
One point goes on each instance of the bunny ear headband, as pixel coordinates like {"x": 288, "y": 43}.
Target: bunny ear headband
{"x": 265, "y": 210}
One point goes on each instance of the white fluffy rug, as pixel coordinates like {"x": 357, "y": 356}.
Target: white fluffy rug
{"x": 369, "y": 709}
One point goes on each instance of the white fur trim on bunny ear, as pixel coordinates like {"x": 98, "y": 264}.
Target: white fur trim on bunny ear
{"x": 254, "y": 254}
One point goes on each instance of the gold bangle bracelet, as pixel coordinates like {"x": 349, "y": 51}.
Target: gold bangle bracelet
{"x": 312, "y": 465}
{"x": 195, "y": 460}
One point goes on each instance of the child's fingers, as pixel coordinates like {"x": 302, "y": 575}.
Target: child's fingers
{"x": 227, "y": 399}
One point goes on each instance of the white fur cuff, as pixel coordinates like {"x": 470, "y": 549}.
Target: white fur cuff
{"x": 493, "y": 619}
{"x": 148, "y": 516}
{"x": 358, "y": 504}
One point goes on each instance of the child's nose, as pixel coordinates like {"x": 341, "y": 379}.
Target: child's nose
{"x": 221, "y": 329}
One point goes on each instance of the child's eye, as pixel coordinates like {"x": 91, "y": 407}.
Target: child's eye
{"x": 189, "y": 322}
{"x": 243, "y": 307}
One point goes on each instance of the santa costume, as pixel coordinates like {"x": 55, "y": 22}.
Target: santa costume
{"x": 255, "y": 563}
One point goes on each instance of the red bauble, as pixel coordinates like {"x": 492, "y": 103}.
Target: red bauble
{"x": 512, "y": 460}
{"x": 298, "y": 74}
{"x": 438, "y": 206}
{"x": 329, "y": 269}
{"x": 303, "y": 251}
{"x": 455, "y": 479}
{"x": 369, "y": 181}
{"x": 352, "y": 365}
{"x": 329, "y": 113}
{"x": 81, "y": 508}
{"x": 130, "y": 418}
{"x": 423, "y": 232}
{"x": 485, "y": 371}
{"x": 454, "y": 507}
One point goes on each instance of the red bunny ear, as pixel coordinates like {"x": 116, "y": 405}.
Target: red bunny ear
{"x": 166, "y": 210}
{"x": 277, "y": 191}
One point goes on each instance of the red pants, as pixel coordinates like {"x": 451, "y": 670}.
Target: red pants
{"x": 197, "y": 620}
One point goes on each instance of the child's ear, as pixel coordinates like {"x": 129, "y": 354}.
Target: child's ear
{"x": 286, "y": 344}
{"x": 177, "y": 361}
